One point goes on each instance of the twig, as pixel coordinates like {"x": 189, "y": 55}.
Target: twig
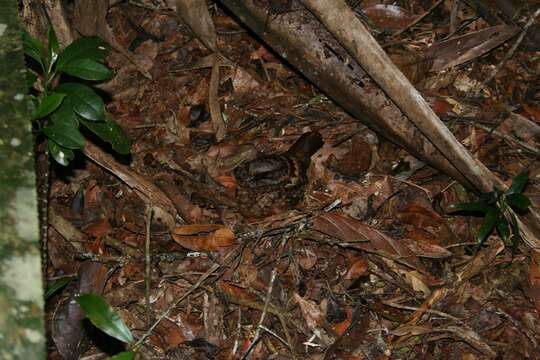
{"x": 410, "y": 183}
{"x": 429, "y": 311}
{"x": 147, "y": 260}
{"x": 274, "y": 335}
{"x": 195, "y": 286}
{"x": 263, "y": 315}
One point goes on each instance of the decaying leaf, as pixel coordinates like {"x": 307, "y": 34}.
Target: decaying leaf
{"x": 364, "y": 237}
{"x": 204, "y": 237}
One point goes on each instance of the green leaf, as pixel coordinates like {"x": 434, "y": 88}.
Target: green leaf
{"x": 491, "y": 218}
{"x": 104, "y": 317}
{"x": 516, "y": 236}
{"x": 65, "y": 115}
{"x": 60, "y": 154}
{"x": 503, "y": 228}
{"x": 489, "y": 198}
{"x": 84, "y": 100}
{"x": 473, "y": 207}
{"x": 53, "y": 46}
{"x": 34, "y": 49}
{"x": 47, "y": 105}
{"x": 31, "y": 78}
{"x": 125, "y": 355}
{"x": 65, "y": 136}
{"x": 57, "y": 285}
{"x": 83, "y": 48}
{"x": 87, "y": 69}
{"x": 110, "y": 132}
{"x": 518, "y": 183}
{"x": 518, "y": 201}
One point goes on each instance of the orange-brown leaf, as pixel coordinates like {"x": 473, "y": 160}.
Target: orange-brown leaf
{"x": 364, "y": 237}
{"x": 204, "y": 237}
{"x": 420, "y": 216}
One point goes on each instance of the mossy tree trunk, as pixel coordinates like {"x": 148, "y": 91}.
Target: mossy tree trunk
{"x": 22, "y": 333}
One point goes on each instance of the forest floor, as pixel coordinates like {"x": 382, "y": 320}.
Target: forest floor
{"x": 368, "y": 265}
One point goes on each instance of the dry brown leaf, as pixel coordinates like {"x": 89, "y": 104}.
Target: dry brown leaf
{"x": 417, "y": 282}
{"x": 388, "y": 17}
{"x": 364, "y": 237}
{"x": 204, "y": 237}
{"x": 420, "y": 216}
{"x": 533, "y": 112}
{"x": 341, "y": 327}
{"x": 236, "y": 292}
{"x": 99, "y": 229}
{"x": 228, "y": 182}
{"x": 411, "y": 330}
{"x": 307, "y": 259}
{"x": 481, "y": 260}
{"x": 357, "y": 266}
{"x": 427, "y": 250}
{"x": 313, "y": 314}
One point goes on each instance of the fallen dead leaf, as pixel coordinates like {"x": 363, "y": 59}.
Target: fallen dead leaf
{"x": 204, "y": 237}
{"x": 420, "y": 216}
{"x": 364, "y": 237}
{"x": 313, "y": 314}
{"x": 357, "y": 266}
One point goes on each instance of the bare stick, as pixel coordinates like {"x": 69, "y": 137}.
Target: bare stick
{"x": 147, "y": 259}
{"x": 263, "y": 315}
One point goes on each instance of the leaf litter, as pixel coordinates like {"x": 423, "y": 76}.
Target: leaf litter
{"x": 368, "y": 265}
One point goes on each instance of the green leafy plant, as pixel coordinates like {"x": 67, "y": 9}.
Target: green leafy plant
{"x": 57, "y": 286}
{"x": 103, "y": 316}
{"x": 65, "y": 103}
{"x": 499, "y": 210}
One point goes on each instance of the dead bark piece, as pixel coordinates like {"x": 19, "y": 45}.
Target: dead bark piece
{"x": 56, "y": 13}
{"x": 35, "y": 13}
{"x": 195, "y": 14}
{"x": 213, "y": 102}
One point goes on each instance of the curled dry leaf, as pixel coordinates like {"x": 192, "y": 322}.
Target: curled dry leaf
{"x": 228, "y": 183}
{"x": 204, "y": 237}
{"x": 356, "y": 267}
